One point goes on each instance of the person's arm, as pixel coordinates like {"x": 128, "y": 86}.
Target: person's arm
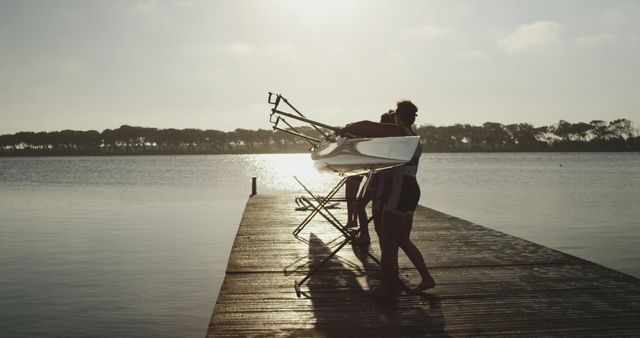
{"x": 372, "y": 129}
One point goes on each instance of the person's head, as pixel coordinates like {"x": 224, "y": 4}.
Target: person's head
{"x": 406, "y": 113}
{"x": 388, "y": 117}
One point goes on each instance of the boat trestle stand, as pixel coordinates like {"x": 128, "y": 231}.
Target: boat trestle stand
{"x": 319, "y": 206}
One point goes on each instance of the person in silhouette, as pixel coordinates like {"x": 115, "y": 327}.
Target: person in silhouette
{"x": 356, "y": 209}
{"x": 352, "y": 186}
{"x": 399, "y": 196}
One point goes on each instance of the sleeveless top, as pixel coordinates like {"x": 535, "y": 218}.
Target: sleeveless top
{"x": 410, "y": 168}
{"x": 400, "y": 190}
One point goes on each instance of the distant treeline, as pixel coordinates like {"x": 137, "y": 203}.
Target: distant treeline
{"x": 617, "y": 135}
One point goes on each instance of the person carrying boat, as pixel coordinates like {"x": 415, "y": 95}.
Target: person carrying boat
{"x": 356, "y": 209}
{"x": 400, "y": 194}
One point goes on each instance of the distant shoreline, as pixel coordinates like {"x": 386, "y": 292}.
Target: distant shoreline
{"x": 491, "y": 137}
{"x": 152, "y": 153}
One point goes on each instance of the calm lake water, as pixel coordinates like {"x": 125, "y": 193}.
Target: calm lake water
{"x": 137, "y": 246}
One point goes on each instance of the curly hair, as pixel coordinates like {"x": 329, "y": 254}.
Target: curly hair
{"x": 388, "y": 117}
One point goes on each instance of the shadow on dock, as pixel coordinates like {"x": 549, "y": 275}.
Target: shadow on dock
{"x": 344, "y": 306}
{"x": 489, "y": 284}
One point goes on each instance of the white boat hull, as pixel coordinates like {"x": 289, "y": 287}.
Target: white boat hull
{"x": 350, "y": 157}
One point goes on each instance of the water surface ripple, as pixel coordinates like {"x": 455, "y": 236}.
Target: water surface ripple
{"x": 137, "y": 246}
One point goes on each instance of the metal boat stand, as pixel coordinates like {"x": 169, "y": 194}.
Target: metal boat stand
{"x": 319, "y": 208}
{"x": 318, "y": 204}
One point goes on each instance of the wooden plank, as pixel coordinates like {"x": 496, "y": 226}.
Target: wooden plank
{"x": 489, "y": 283}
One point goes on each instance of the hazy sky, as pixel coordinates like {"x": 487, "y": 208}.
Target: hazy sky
{"x": 99, "y": 64}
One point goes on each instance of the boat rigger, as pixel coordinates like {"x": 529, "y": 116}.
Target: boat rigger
{"x": 343, "y": 155}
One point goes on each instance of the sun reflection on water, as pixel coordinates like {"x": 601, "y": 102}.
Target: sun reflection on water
{"x": 275, "y": 173}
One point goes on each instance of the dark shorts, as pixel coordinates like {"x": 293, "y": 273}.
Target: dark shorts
{"x": 400, "y": 194}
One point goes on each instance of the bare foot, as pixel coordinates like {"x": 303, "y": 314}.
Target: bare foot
{"x": 424, "y": 285}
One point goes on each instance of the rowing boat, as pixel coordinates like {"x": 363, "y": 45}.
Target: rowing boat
{"x": 348, "y": 157}
{"x": 343, "y": 156}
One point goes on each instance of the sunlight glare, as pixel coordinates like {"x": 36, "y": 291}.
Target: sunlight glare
{"x": 301, "y": 165}
{"x": 275, "y": 173}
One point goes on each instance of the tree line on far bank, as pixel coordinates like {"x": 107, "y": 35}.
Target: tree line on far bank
{"x": 597, "y": 135}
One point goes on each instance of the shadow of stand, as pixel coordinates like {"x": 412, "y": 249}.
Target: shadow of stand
{"x": 343, "y": 305}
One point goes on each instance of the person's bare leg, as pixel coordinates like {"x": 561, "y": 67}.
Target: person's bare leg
{"x": 389, "y": 248}
{"x": 417, "y": 259}
{"x": 376, "y": 206}
{"x": 377, "y": 222}
{"x": 414, "y": 254}
{"x": 350, "y": 194}
{"x": 363, "y": 220}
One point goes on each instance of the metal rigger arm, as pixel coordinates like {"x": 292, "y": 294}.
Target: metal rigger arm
{"x": 278, "y": 116}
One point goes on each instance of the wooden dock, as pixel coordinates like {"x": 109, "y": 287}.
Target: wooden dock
{"x": 489, "y": 284}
